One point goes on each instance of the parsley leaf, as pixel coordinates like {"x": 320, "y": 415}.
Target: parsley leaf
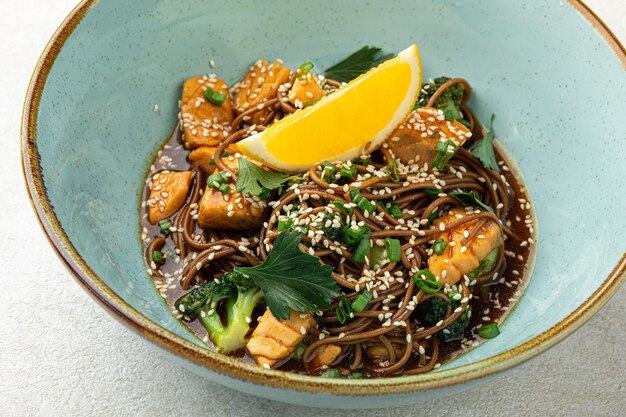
{"x": 484, "y": 149}
{"x": 470, "y": 199}
{"x": 291, "y": 278}
{"x": 356, "y": 64}
{"x": 254, "y": 180}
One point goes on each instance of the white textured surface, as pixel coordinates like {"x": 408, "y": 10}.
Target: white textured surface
{"x": 62, "y": 355}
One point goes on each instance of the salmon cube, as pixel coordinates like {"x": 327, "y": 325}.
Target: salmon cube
{"x": 204, "y": 123}
{"x": 413, "y": 142}
{"x": 231, "y": 211}
{"x": 458, "y": 260}
{"x": 168, "y": 192}
{"x": 274, "y": 340}
{"x": 260, "y": 84}
{"x": 324, "y": 356}
{"x": 305, "y": 91}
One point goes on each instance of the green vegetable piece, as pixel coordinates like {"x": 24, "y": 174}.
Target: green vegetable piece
{"x": 392, "y": 171}
{"x": 291, "y": 278}
{"x": 470, "y": 199}
{"x": 164, "y": 226}
{"x": 456, "y": 329}
{"x": 485, "y": 265}
{"x": 304, "y": 69}
{"x": 393, "y": 209}
{"x": 348, "y": 172}
{"x": 157, "y": 257}
{"x": 427, "y": 282}
{"x": 362, "y": 249}
{"x": 342, "y": 206}
{"x": 331, "y": 373}
{"x": 439, "y": 246}
{"x": 299, "y": 350}
{"x": 393, "y": 249}
{"x": 350, "y": 236}
{"x": 356, "y": 64}
{"x": 489, "y": 331}
{"x": 446, "y": 151}
{"x": 343, "y": 310}
{"x": 215, "y": 97}
{"x": 254, "y": 180}
{"x": 361, "y": 301}
{"x": 429, "y": 312}
{"x": 484, "y": 149}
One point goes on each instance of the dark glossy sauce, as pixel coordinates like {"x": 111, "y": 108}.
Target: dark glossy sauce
{"x": 490, "y": 303}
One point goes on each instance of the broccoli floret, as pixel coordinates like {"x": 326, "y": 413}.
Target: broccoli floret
{"x": 449, "y": 102}
{"x": 456, "y": 329}
{"x": 330, "y": 232}
{"x": 238, "y": 293}
{"x": 431, "y": 311}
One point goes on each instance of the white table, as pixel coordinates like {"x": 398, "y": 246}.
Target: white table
{"x": 62, "y": 355}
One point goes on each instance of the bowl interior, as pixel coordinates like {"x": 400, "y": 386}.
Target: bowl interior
{"x": 557, "y": 91}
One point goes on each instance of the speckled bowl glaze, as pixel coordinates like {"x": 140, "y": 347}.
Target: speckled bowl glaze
{"x": 551, "y": 71}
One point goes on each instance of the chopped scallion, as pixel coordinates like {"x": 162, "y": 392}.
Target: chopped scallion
{"x": 489, "y": 331}
{"x": 361, "y": 202}
{"x": 158, "y": 257}
{"x": 433, "y": 216}
{"x": 439, "y": 246}
{"x": 393, "y": 249}
{"x": 304, "y": 69}
{"x": 361, "y": 301}
{"x": 431, "y": 191}
{"x": 284, "y": 224}
{"x": 342, "y": 206}
{"x": 331, "y": 373}
{"x": 392, "y": 170}
{"x": 215, "y": 97}
{"x": 427, "y": 282}
{"x": 446, "y": 151}
{"x": 343, "y": 310}
{"x": 394, "y": 209}
{"x": 348, "y": 172}
{"x": 165, "y": 225}
{"x": 362, "y": 249}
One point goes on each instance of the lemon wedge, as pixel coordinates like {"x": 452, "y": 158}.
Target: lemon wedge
{"x": 352, "y": 121}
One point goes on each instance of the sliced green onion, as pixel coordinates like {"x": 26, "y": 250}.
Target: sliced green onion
{"x": 393, "y": 249}
{"x": 214, "y": 180}
{"x": 342, "y": 206}
{"x": 431, "y": 191}
{"x": 361, "y": 301}
{"x": 465, "y": 123}
{"x": 350, "y": 236}
{"x": 361, "y": 202}
{"x": 433, "y": 216}
{"x": 331, "y": 373}
{"x": 157, "y": 256}
{"x": 343, "y": 310}
{"x": 304, "y": 69}
{"x": 362, "y": 249}
{"x": 348, "y": 172}
{"x": 444, "y": 154}
{"x": 328, "y": 171}
{"x": 215, "y": 97}
{"x": 225, "y": 154}
{"x": 265, "y": 193}
{"x": 439, "y": 246}
{"x": 212, "y": 161}
{"x": 392, "y": 170}
{"x": 224, "y": 188}
{"x": 284, "y": 224}
{"x": 429, "y": 284}
{"x": 393, "y": 209}
{"x": 489, "y": 331}
{"x": 363, "y": 162}
{"x": 165, "y": 225}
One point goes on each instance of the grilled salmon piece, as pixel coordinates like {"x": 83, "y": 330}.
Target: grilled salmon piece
{"x": 455, "y": 261}
{"x": 415, "y": 139}
{"x": 324, "y": 356}
{"x": 204, "y": 123}
{"x": 273, "y": 340}
{"x": 259, "y": 85}
{"x": 305, "y": 91}
{"x": 168, "y": 192}
{"x": 232, "y": 211}
{"x": 202, "y": 157}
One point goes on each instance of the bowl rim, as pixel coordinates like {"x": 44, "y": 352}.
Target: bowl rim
{"x": 231, "y": 367}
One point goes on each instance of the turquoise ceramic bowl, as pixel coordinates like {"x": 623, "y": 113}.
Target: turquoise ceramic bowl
{"x": 552, "y": 73}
